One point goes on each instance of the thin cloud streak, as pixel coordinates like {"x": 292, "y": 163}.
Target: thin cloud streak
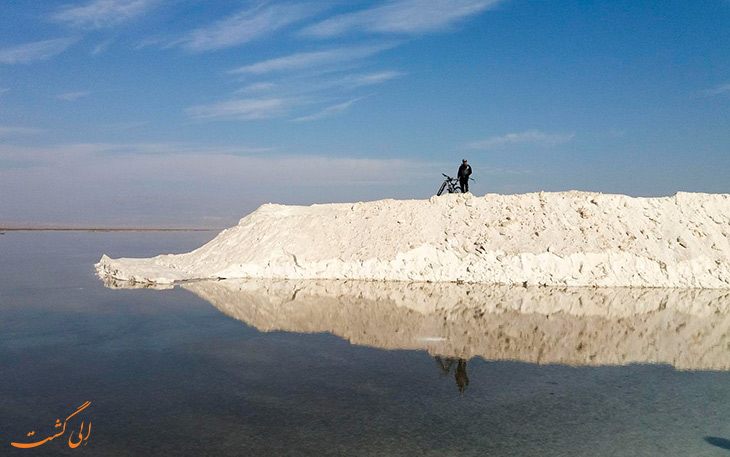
{"x": 304, "y": 85}
{"x": 373, "y": 78}
{"x": 719, "y": 90}
{"x": 72, "y": 96}
{"x": 353, "y": 81}
{"x": 401, "y": 17}
{"x": 329, "y": 111}
{"x": 35, "y": 51}
{"x": 205, "y": 163}
{"x": 311, "y": 59}
{"x": 532, "y": 136}
{"x": 68, "y": 153}
{"x": 245, "y": 108}
{"x": 297, "y": 91}
{"x": 256, "y": 87}
{"x": 164, "y": 149}
{"x": 102, "y": 13}
{"x": 123, "y": 125}
{"x": 8, "y": 131}
{"x": 245, "y": 26}
{"x": 100, "y": 48}
{"x": 56, "y": 191}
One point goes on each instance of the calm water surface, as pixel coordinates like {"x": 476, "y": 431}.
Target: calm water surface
{"x": 167, "y": 373}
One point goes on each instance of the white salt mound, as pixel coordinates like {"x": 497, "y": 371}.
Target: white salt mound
{"x": 553, "y": 239}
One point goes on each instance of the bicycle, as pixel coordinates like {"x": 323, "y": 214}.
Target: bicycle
{"x": 450, "y": 184}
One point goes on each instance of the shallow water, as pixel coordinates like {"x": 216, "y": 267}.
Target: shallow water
{"x": 167, "y": 373}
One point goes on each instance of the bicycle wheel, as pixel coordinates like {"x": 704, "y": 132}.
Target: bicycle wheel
{"x": 441, "y": 189}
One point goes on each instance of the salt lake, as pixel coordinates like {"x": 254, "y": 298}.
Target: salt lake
{"x": 324, "y": 369}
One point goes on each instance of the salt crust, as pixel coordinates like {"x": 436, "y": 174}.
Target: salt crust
{"x": 552, "y": 239}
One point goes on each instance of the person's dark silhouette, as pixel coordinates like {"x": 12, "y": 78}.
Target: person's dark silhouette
{"x": 462, "y": 378}
{"x": 463, "y": 175}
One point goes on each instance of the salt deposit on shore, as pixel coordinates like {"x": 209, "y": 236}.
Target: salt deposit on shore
{"x": 554, "y": 239}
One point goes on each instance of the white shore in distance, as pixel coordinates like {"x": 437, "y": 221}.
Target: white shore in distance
{"x": 552, "y": 239}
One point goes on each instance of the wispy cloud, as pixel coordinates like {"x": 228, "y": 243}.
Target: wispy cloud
{"x": 101, "y": 47}
{"x": 155, "y": 41}
{"x": 175, "y": 149}
{"x": 723, "y": 89}
{"x": 124, "y": 125}
{"x": 11, "y": 131}
{"x": 401, "y": 17}
{"x": 372, "y": 78}
{"x": 352, "y": 81}
{"x": 19, "y": 164}
{"x": 355, "y": 80}
{"x": 72, "y": 96}
{"x": 88, "y": 151}
{"x": 245, "y": 26}
{"x": 208, "y": 162}
{"x": 301, "y": 85}
{"x": 329, "y": 111}
{"x": 245, "y": 108}
{"x": 51, "y": 184}
{"x": 37, "y": 50}
{"x": 286, "y": 95}
{"x": 102, "y": 13}
{"x": 3, "y": 90}
{"x": 532, "y": 136}
{"x": 256, "y": 87}
{"x": 499, "y": 171}
{"x": 311, "y": 59}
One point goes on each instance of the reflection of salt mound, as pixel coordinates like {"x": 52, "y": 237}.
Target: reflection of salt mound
{"x": 113, "y": 283}
{"x": 563, "y": 239}
{"x": 689, "y": 329}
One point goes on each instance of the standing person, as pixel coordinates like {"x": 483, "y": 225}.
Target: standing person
{"x": 464, "y": 173}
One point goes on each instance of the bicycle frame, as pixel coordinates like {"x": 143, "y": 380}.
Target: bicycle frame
{"x": 451, "y": 185}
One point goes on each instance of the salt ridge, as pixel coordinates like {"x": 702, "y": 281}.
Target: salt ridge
{"x": 553, "y": 239}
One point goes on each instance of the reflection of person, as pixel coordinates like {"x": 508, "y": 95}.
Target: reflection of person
{"x": 462, "y": 379}
{"x": 464, "y": 173}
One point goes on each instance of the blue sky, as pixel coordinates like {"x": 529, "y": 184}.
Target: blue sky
{"x": 193, "y": 113}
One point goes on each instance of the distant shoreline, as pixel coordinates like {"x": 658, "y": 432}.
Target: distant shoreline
{"x": 103, "y": 229}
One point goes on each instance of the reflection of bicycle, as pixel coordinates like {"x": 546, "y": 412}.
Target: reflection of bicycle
{"x": 462, "y": 379}
{"x": 451, "y": 185}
